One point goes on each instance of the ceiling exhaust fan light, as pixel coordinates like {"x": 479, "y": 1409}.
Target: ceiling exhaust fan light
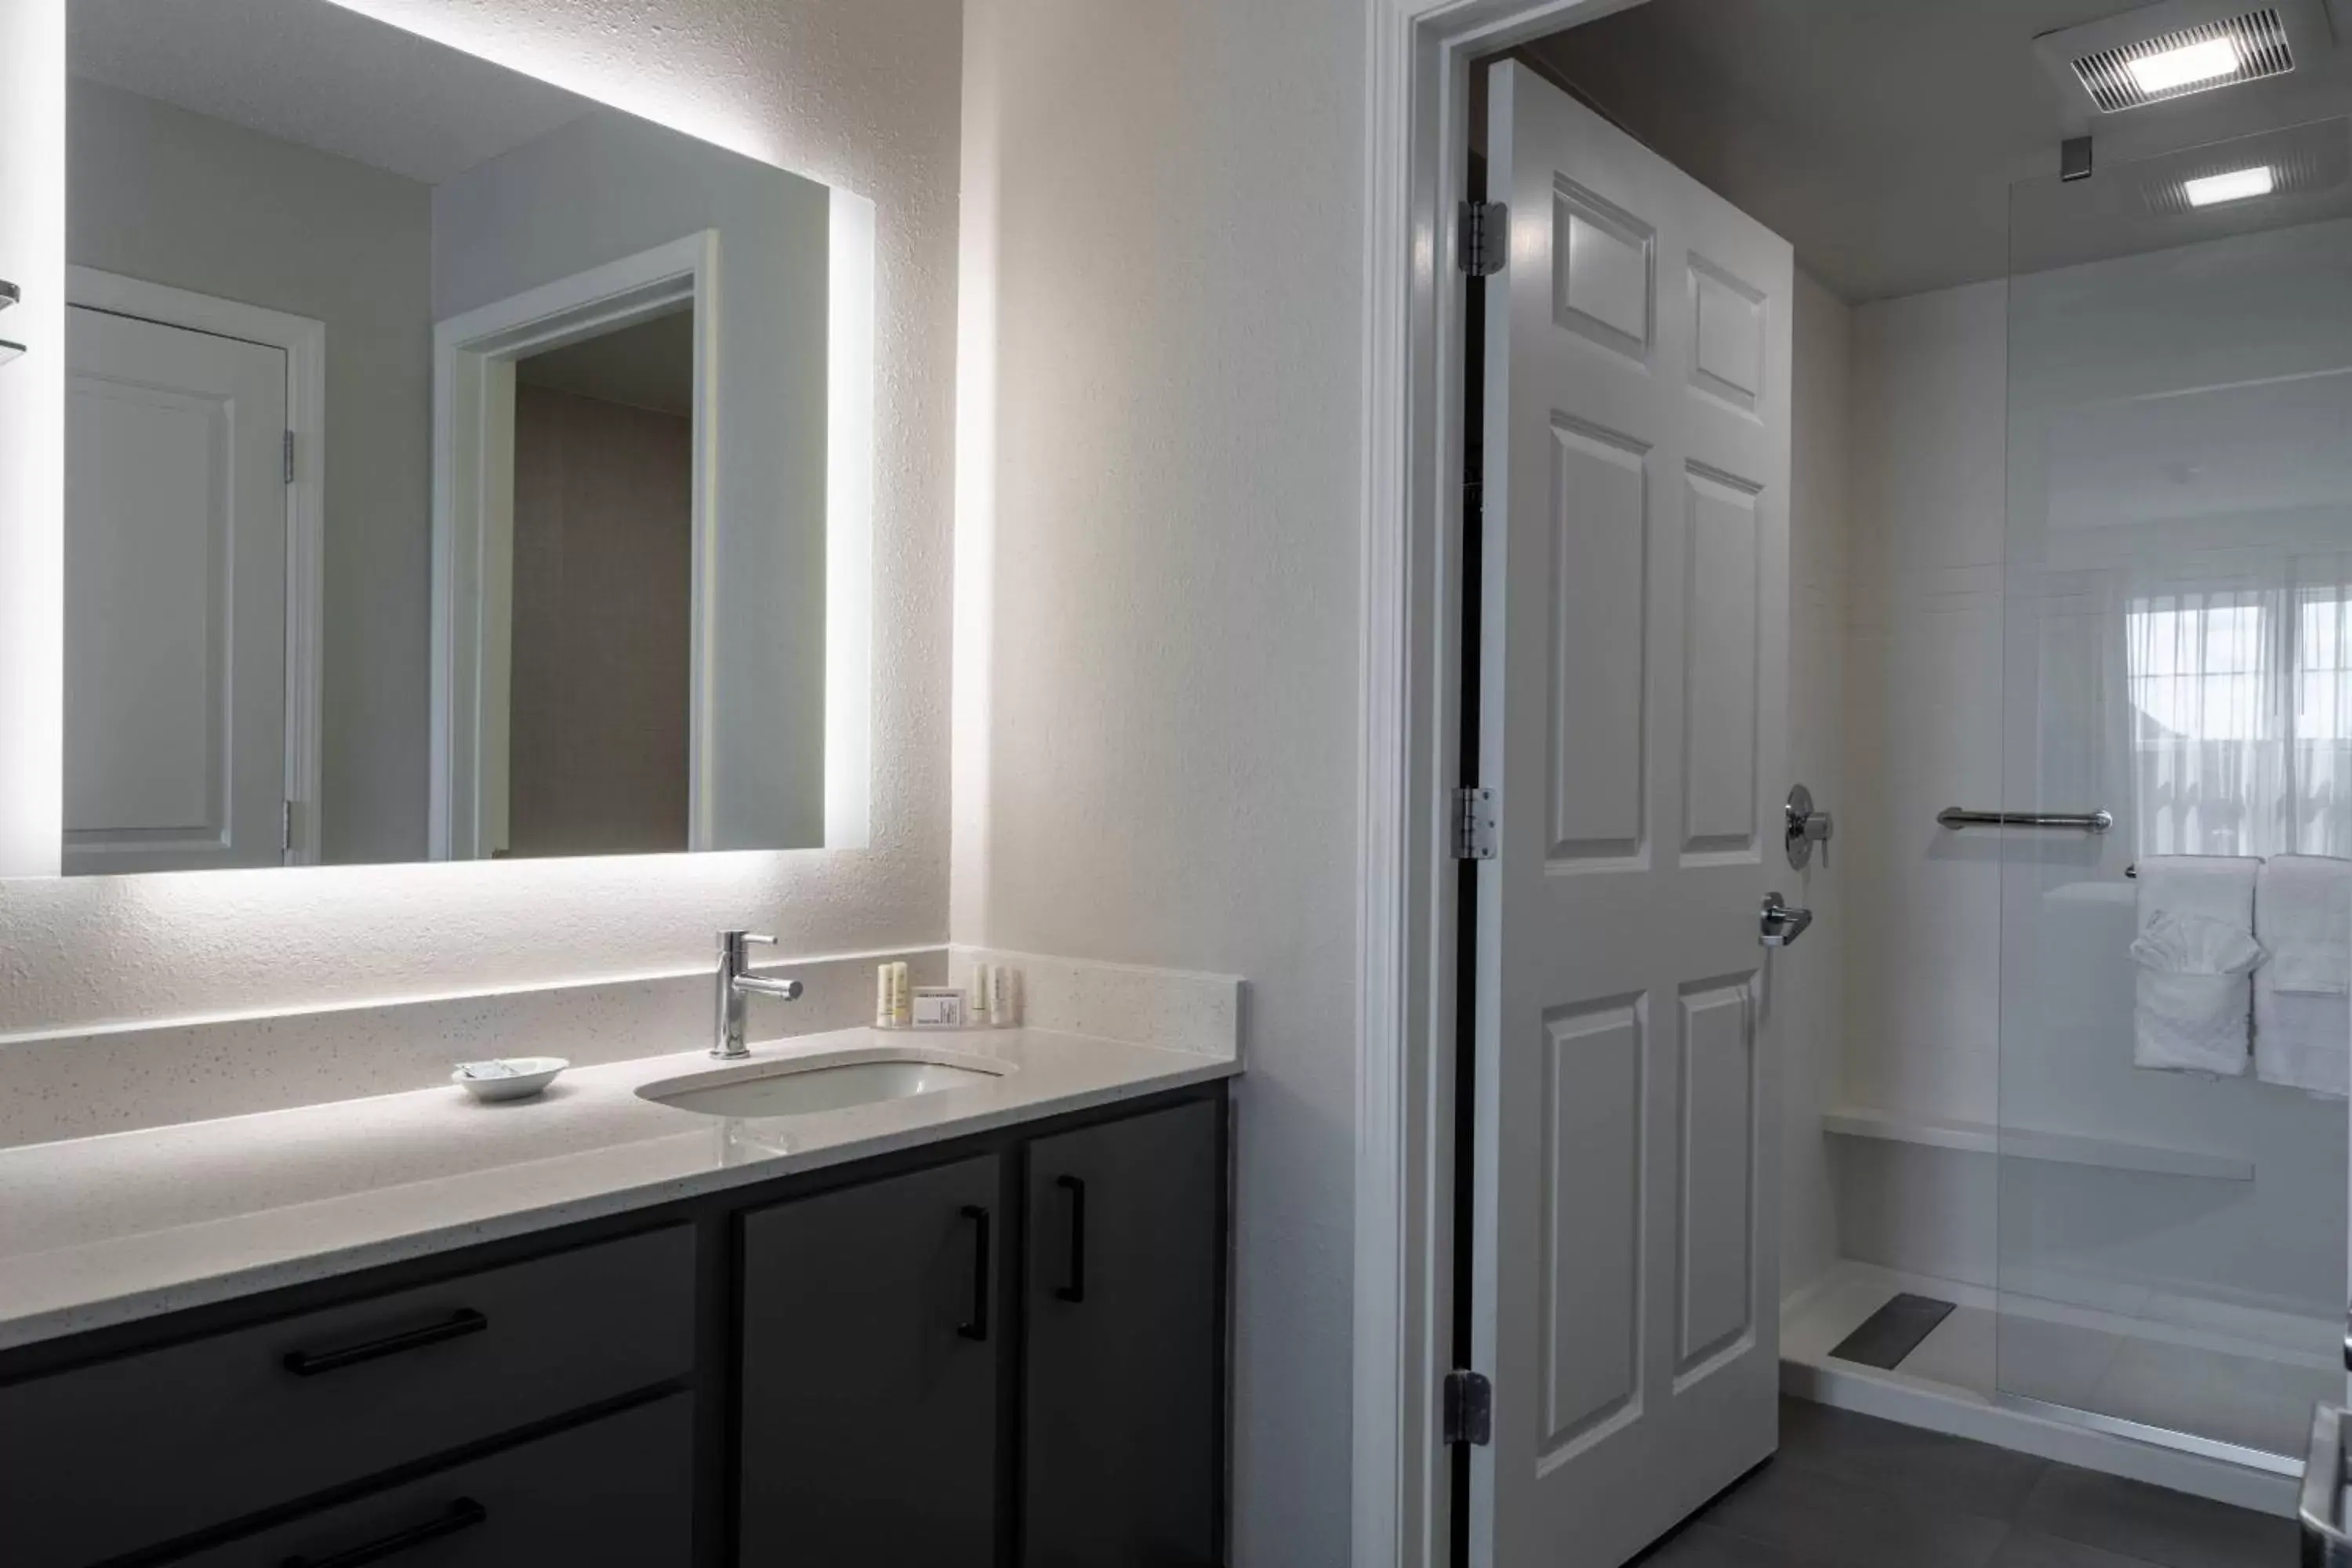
{"x": 2234, "y": 187}
{"x": 2175, "y": 69}
{"x": 2119, "y": 65}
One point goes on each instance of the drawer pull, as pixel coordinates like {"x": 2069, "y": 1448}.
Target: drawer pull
{"x": 457, "y": 1325}
{"x": 976, "y": 1326}
{"x": 1074, "y": 1287}
{"x": 463, "y": 1514}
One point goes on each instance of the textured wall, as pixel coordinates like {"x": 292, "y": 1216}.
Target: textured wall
{"x": 1159, "y": 577}
{"x": 863, "y": 93}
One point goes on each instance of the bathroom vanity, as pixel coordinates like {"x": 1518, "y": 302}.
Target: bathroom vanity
{"x": 994, "y": 1337}
{"x": 464, "y": 478}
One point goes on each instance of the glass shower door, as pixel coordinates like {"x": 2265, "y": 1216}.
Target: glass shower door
{"x": 2170, "y": 1253}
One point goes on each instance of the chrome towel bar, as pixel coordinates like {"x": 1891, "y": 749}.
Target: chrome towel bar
{"x": 2085, "y": 821}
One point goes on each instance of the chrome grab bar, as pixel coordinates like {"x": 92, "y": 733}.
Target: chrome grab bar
{"x": 2086, "y": 821}
{"x": 2324, "y": 1542}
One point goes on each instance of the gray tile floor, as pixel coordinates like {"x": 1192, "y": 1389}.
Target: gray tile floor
{"x": 1847, "y": 1491}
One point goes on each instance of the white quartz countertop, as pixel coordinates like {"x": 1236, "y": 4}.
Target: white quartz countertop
{"x": 102, "y": 1230}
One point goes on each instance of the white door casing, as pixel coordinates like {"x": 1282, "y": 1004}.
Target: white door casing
{"x": 1633, "y": 694}
{"x": 175, "y": 742}
{"x": 474, "y": 357}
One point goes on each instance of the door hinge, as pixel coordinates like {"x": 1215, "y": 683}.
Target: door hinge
{"x": 290, "y": 456}
{"x": 1475, "y": 833}
{"x": 286, "y": 827}
{"x": 1485, "y": 238}
{"x": 1468, "y": 1408}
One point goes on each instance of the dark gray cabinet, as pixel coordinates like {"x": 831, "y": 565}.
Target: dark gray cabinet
{"x": 871, "y": 1335}
{"x": 1123, "y": 1379}
{"x": 617, "y": 1493}
{"x": 142, "y": 1448}
{"x": 1005, "y": 1349}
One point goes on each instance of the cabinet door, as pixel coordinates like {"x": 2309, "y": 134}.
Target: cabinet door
{"x": 1122, "y": 1417}
{"x": 870, "y": 1335}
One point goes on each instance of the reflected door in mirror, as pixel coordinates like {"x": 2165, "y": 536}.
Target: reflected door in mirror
{"x": 175, "y": 598}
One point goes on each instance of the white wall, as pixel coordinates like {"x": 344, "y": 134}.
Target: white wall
{"x": 606, "y": 187}
{"x": 169, "y": 196}
{"x": 1163, "y": 299}
{"x": 863, "y": 93}
{"x": 1922, "y": 1016}
{"x": 1929, "y": 395}
{"x": 1811, "y": 974}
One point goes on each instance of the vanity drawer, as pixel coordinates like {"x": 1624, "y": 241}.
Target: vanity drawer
{"x": 616, "y": 1491}
{"x": 142, "y": 1449}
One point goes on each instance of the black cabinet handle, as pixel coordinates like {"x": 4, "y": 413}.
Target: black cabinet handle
{"x": 1074, "y": 1289}
{"x": 976, "y": 1326}
{"x": 457, "y": 1325}
{"x": 463, "y": 1514}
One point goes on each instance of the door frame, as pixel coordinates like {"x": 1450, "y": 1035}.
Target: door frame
{"x": 304, "y": 342}
{"x": 1416, "y": 106}
{"x": 473, "y": 501}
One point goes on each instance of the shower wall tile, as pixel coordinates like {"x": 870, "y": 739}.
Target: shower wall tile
{"x": 1810, "y": 977}
{"x": 1923, "y": 731}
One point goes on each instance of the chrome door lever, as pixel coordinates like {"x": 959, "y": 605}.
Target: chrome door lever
{"x": 1781, "y": 923}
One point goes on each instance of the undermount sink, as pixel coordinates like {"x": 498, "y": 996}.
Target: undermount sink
{"x": 804, "y": 1086}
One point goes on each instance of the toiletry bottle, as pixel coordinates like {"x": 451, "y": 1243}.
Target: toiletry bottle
{"x": 981, "y": 1008}
{"x": 902, "y": 996}
{"x": 884, "y": 990}
{"x": 1001, "y": 1007}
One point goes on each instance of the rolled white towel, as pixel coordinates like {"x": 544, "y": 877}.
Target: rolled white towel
{"x": 2302, "y": 992}
{"x": 2192, "y": 1005}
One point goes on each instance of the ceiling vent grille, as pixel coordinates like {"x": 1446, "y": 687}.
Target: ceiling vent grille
{"x": 2258, "y": 38}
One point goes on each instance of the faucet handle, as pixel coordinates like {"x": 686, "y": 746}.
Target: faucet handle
{"x": 732, "y": 942}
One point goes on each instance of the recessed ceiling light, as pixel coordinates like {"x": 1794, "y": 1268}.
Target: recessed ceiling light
{"x": 2234, "y": 187}
{"x": 2175, "y": 69}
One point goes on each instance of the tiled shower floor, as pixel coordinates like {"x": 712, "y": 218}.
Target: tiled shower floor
{"x": 1849, "y": 1491}
{"x": 2243, "y": 1378}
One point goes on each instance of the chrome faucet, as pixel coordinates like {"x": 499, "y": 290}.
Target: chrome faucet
{"x": 735, "y": 982}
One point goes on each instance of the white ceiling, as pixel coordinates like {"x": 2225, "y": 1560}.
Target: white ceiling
{"x": 648, "y": 365}
{"x": 312, "y": 72}
{"x": 1882, "y": 137}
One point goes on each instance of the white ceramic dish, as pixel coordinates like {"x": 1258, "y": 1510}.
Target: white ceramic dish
{"x": 527, "y": 1077}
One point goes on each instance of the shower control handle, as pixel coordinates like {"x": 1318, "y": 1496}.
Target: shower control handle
{"x": 1781, "y": 922}
{"x": 1805, "y": 827}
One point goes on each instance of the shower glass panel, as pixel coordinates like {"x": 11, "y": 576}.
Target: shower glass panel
{"x": 2178, "y": 650}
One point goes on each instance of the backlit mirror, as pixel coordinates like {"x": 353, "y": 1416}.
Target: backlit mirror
{"x": 456, "y": 467}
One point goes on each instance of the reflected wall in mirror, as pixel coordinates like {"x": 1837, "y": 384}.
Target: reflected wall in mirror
{"x": 448, "y": 460}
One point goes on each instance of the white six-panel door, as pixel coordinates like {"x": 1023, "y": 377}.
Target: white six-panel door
{"x": 1633, "y": 687}
{"x": 175, "y": 597}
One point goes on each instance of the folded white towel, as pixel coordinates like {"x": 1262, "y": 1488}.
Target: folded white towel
{"x": 2302, "y": 992}
{"x": 2192, "y": 1005}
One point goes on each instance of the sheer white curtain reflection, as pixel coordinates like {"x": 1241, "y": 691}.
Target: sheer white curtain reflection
{"x": 2241, "y": 715}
